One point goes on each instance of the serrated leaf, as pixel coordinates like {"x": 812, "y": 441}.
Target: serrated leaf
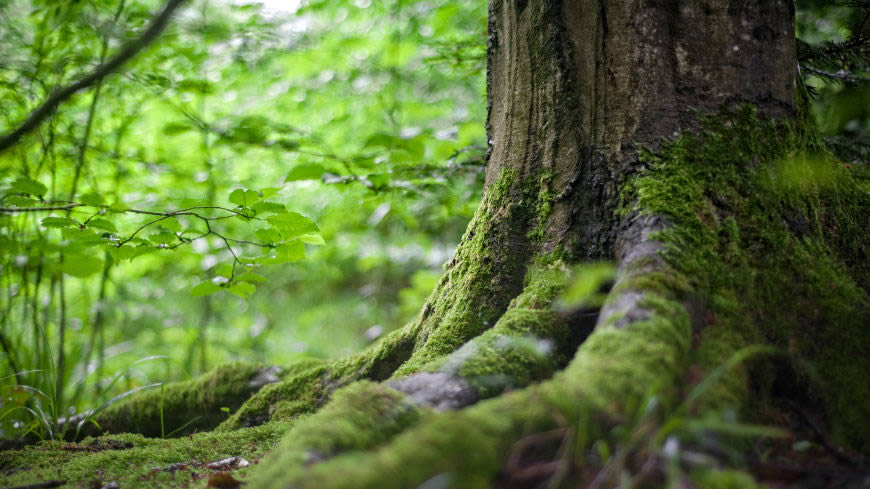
{"x": 312, "y": 239}
{"x": 92, "y": 199}
{"x": 264, "y": 207}
{"x": 292, "y": 224}
{"x": 81, "y": 265}
{"x": 243, "y": 198}
{"x": 29, "y": 186}
{"x": 104, "y": 224}
{"x": 309, "y": 171}
{"x": 242, "y": 289}
{"x": 251, "y": 277}
{"x": 59, "y": 222}
{"x": 205, "y": 288}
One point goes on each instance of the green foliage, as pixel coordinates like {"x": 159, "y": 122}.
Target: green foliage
{"x": 259, "y": 184}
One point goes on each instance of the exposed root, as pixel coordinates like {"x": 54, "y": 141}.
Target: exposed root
{"x": 181, "y": 407}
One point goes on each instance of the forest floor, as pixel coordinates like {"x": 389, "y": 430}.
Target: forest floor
{"x": 805, "y": 458}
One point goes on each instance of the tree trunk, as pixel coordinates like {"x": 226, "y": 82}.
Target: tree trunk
{"x": 665, "y": 136}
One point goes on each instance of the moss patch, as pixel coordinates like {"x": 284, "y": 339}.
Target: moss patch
{"x": 481, "y": 279}
{"x": 528, "y": 343}
{"x": 771, "y": 231}
{"x": 143, "y": 462}
{"x": 182, "y": 407}
{"x": 359, "y": 417}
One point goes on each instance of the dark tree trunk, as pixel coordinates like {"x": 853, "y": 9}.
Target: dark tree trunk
{"x": 575, "y": 87}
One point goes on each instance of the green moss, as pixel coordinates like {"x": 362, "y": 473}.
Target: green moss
{"x": 725, "y": 479}
{"x": 528, "y": 343}
{"x": 143, "y": 463}
{"x": 771, "y": 232}
{"x": 185, "y": 407}
{"x": 359, "y": 417}
{"x": 544, "y": 205}
{"x": 479, "y": 281}
{"x": 716, "y": 345}
{"x": 307, "y": 390}
{"x": 466, "y": 449}
{"x": 310, "y": 385}
{"x": 623, "y": 365}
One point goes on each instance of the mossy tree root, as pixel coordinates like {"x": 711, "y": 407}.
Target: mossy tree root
{"x": 721, "y": 247}
{"x": 181, "y": 407}
{"x": 614, "y": 371}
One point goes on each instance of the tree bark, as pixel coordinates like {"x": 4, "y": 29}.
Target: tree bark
{"x": 575, "y": 87}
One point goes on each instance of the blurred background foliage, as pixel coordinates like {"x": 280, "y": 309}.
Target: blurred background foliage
{"x": 330, "y": 152}
{"x": 364, "y": 117}
{"x": 834, "y": 49}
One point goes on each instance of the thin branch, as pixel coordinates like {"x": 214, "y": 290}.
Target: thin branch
{"x": 13, "y": 210}
{"x": 840, "y": 75}
{"x": 127, "y": 52}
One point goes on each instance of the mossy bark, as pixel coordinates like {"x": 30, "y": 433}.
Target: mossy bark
{"x": 669, "y": 137}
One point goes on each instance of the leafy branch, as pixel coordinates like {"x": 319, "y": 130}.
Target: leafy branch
{"x": 286, "y": 234}
{"x": 127, "y": 52}
{"x": 841, "y": 61}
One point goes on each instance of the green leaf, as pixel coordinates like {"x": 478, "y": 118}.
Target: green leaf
{"x": 18, "y": 201}
{"x": 59, "y": 222}
{"x": 225, "y": 270}
{"x": 382, "y": 140}
{"x": 81, "y": 238}
{"x": 104, "y": 224}
{"x": 312, "y": 239}
{"x": 81, "y": 265}
{"x": 379, "y": 180}
{"x": 243, "y": 198}
{"x": 309, "y": 171}
{"x": 269, "y": 191}
{"x": 171, "y": 224}
{"x": 163, "y": 238}
{"x": 29, "y": 186}
{"x": 175, "y": 128}
{"x": 92, "y": 199}
{"x": 586, "y": 284}
{"x": 414, "y": 147}
{"x": 205, "y": 288}
{"x": 292, "y": 224}
{"x": 242, "y": 289}
{"x": 288, "y": 144}
{"x": 268, "y": 235}
{"x": 291, "y": 252}
{"x": 251, "y": 277}
{"x": 121, "y": 253}
{"x": 269, "y": 207}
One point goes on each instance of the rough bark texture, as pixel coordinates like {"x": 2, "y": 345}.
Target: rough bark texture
{"x": 662, "y": 135}
{"x": 575, "y": 86}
